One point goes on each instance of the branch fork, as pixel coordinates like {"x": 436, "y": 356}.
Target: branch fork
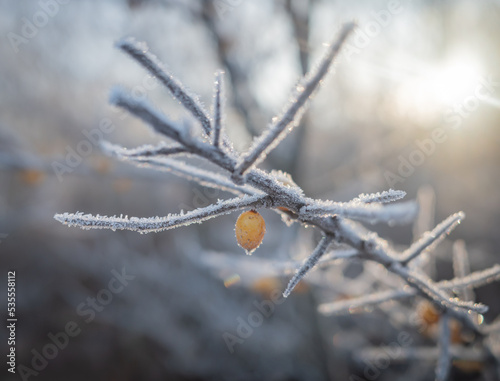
{"x": 255, "y": 188}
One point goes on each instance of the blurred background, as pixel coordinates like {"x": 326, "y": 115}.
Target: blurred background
{"x": 414, "y": 105}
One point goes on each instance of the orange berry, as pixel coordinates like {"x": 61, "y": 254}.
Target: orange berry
{"x": 250, "y": 229}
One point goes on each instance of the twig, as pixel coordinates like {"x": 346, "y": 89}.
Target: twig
{"x": 146, "y": 150}
{"x": 309, "y": 264}
{"x": 140, "y": 53}
{"x": 217, "y": 109}
{"x": 390, "y": 195}
{"x": 278, "y": 130}
{"x": 431, "y": 238}
{"x": 373, "y": 213}
{"x": 157, "y": 224}
{"x": 272, "y": 190}
{"x": 461, "y": 268}
{"x": 476, "y": 279}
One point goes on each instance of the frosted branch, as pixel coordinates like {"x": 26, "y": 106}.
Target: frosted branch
{"x": 201, "y": 176}
{"x": 373, "y": 213}
{"x": 217, "y": 109}
{"x": 440, "y": 297}
{"x": 157, "y": 224}
{"x": 381, "y": 197}
{"x": 284, "y": 124}
{"x": 140, "y": 52}
{"x": 430, "y": 239}
{"x": 369, "y": 243}
{"x": 178, "y": 168}
{"x": 145, "y": 111}
{"x": 309, "y": 263}
{"x": 146, "y": 150}
{"x": 461, "y": 268}
{"x": 275, "y": 190}
{"x": 377, "y": 250}
{"x": 476, "y": 279}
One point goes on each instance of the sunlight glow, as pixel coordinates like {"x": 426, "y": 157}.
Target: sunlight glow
{"x": 435, "y": 88}
{"x": 454, "y": 80}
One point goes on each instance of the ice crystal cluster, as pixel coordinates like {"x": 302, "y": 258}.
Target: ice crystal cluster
{"x": 254, "y": 188}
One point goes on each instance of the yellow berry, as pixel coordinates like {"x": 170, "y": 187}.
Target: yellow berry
{"x": 250, "y": 229}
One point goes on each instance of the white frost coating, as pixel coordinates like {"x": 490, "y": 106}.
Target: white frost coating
{"x": 461, "y": 268}
{"x": 432, "y": 238}
{"x": 381, "y": 197}
{"x": 276, "y": 189}
{"x": 376, "y": 248}
{"x": 373, "y": 213}
{"x": 218, "y": 98}
{"x": 148, "y": 113}
{"x": 335, "y": 255}
{"x": 139, "y": 52}
{"x": 309, "y": 264}
{"x": 438, "y": 295}
{"x": 292, "y": 113}
{"x": 356, "y": 236}
{"x": 157, "y": 224}
{"x": 161, "y": 149}
{"x": 475, "y": 279}
{"x": 179, "y": 168}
